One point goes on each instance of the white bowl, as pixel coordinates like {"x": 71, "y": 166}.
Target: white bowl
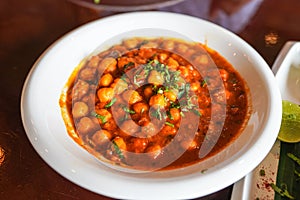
{"x": 46, "y": 130}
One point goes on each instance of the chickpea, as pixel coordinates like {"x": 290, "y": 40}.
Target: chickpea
{"x": 125, "y": 61}
{"x": 162, "y": 57}
{"x": 175, "y": 114}
{"x": 195, "y": 86}
{"x": 110, "y": 125}
{"x": 80, "y": 89}
{"x": 155, "y": 78}
{"x": 129, "y": 127}
{"x": 132, "y": 97}
{"x": 170, "y": 95}
{"x": 144, "y": 120}
{"x": 202, "y": 59}
{"x": 149, "y": 130}
{"x": 145, "y": 54}
{"x": 119, "y": 86}
{"x": 87, "y": 74}
{"x": 80, "y": 109}
{"x": 168, "y": 131}
{"x": 154, "y": 150}
{"x": 182, "y": 48}
{"x": 196, "y": 74}
{"x": 168, "y": 45}
{"x": 108, "y": 65}
{"x": 120, "y": 143}
{"x": 85, "y": 125}
{"x": 89, "y": 99}
{"x": 148, "y": 92}
{"x": 106, "y": 80}
{"x": 150, "y": 45}
{"x": 172, "y": 63}
{"x": 105, "y": 94}
{"x": 93, "y": 62}
{"x": 139, "y": 144}
{"x": 158, "y": 100}
{"x": 140, "y": 108}
{"x": 105, "y": 116}
{"x": 101, "y": 137}
{"x": 131, "y": 43}
{"x": 184, "y": 71}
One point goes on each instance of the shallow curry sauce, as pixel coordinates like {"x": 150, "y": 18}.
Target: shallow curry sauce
{"x": 155, "y": 103}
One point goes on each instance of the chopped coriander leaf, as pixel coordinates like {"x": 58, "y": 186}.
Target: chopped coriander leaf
{"x": 118, "y": 150}
{"x": 101, "y": 117}
{"x": 157, "y": 114}
{"x": 203, "y": 83}
{"x": 180, "y": 94}
{"x": 281, "y": 191}
{"x": 110, "y": 103}
{"x": 160, "y": 91}
{"x": 123, "y": 77}
{"x": 128, "y": 65}
{"x": 203, "y": 171}
{"x": 169, "y": 115}
{"x": 174, "y": 105}
{"x": 170, "y": 124}
{"x": 126, "y": 109}
{"x": 182, "y": 114}
{"x": 197, "y": 112}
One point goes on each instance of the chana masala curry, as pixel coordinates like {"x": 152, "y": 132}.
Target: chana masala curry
{"x": 155, "y": 103}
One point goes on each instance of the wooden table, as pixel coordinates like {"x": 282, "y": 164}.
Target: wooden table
{"x": 28, "y": 27}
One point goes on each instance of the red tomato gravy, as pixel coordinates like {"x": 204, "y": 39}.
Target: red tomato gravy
{"x": 155, "y": 103}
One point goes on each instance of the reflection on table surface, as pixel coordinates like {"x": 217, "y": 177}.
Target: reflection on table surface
{"x": 28, "y": 27}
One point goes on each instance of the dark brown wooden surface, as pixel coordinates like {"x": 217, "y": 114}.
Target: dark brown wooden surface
{"x": 28, "y": 27}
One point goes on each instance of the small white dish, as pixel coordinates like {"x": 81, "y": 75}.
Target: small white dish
{"x": 287, "y": 73}
{"x": 46, "y": 131}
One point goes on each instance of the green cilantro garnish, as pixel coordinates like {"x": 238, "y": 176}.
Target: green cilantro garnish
{"x": 126, "y": 109}
{"x": 197, "y": 112}
{"x": 203, "y": 83}
{"x": 110, "y": 103}
{"x": 101, "y": 117}
{"x": 169, "y": 115}
{"x": 118, "y": 150}
{"x": 169, "y": 124}
{"x": 158, "y": 114}
{"x": 128, "y": 65}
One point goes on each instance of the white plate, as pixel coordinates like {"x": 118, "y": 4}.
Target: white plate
{"x": 288, "y": 79}
{"x": 46, "y": 131}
